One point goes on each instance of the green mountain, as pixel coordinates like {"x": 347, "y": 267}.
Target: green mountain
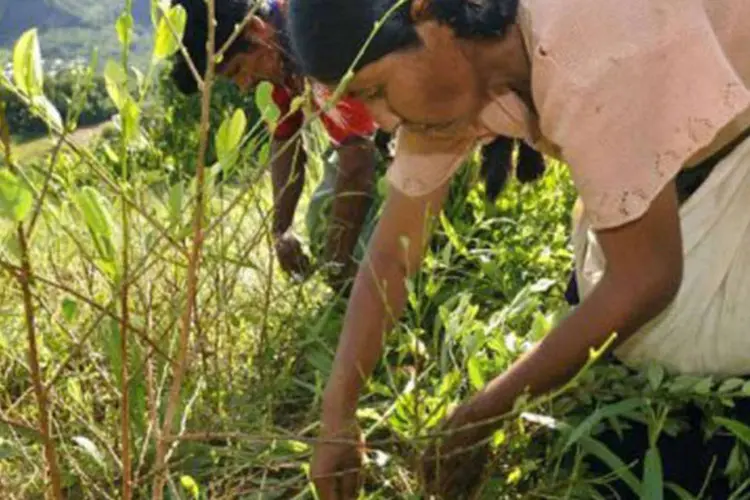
{"x": 72, "y": 28}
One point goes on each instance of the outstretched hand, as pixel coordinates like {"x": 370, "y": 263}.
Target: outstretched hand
{"x": 337, "y": 462}
{"x": 452, "y": 467}
{"x": 291, "y": 257}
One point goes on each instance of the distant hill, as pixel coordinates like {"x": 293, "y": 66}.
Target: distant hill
{"x": 72, "y": 28}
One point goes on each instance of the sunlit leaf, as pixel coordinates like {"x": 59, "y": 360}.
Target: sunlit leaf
{"x": 167, "y": 39}
{"x": 115, "y": 81}
{"x": 48, "y": 111}
{"x": 475, "y": 374}
{"x": 27, "y": 64}
{"x": 95, "y": 211}
{"x": 191, "y": 486}
{"x": 15, "y": 198}
{"x": 124, "y": 28}
{"x": 264, "y": 102}
{"x": 229, "y": 137}
{"x": 74, "y": 390}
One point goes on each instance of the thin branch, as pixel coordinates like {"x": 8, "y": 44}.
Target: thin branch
{"x": 193, "y": 263}
{"x": 24, "y": 280}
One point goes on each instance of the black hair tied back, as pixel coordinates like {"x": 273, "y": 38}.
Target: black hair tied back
{"x": 497, "y": 164}
{"x": 475, "y": 18}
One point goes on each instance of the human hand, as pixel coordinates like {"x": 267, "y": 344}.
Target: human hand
{"x": 337, "y": 461}
{"x": 291, "y": 257}
{"x": 452, "y": 467}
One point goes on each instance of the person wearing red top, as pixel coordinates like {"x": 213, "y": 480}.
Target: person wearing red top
{"x": 259, "y": 54}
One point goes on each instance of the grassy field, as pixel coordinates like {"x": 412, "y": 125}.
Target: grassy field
{"x": 29, "y": 150}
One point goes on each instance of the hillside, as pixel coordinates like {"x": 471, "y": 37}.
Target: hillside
{"x": 71, "y": 28}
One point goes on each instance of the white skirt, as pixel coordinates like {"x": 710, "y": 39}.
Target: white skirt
{"x": 706, "y": 330}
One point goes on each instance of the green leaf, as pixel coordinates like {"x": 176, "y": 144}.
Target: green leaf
{"x": 91, "y": 450}
{"x": 15, "y": 198}
{"x": 264, "y": 154}
{"x": 264, "y": 102}
{"x": 746, "y": 389}
{"x": 610, "y": 411}
{"x": 176, "y": 202}
{"x": 95, "y": 213}
{"x": 475, "y": 374}
{"x": 74, "y": 390}
{"x": 739, "y": 429}
{"x": 69, "y": 309}
{"x": 48, "y": 111}
{"x": 130, "y": 114}
{"x": 653, "y": 477}
{"x": 704, "y": 386}
{"x": 731, "y": 385}
{"x": 190, "y": 485}
{"x": 124, "y": 28}
{"x": 229, "y": 137}
{"x": 166, "y": 43}
{"x": 682, "y": 493}
{"x": 655, "y": 374}
{"x": 6, "y": 451}
{"x": 155, "y": 11}
{"x": 27, "y": 64}
{"x": 115, "y": 81}
{"x": 616, "y": 465}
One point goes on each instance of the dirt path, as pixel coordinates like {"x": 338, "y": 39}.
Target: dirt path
{"x": 29, "y": 150}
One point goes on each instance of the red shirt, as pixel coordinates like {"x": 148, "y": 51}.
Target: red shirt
{"x": 348, "y": 119}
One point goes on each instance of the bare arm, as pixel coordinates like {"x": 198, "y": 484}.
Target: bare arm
{"x": 644, "y": 272}
{"x": 288, "y": 178}
{"x": 378, "y": 296}
{"x": 354, "y": 184}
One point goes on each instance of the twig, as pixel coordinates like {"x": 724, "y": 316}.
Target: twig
{"x": 193, "y": 263}
{"x": 24, "y": 279}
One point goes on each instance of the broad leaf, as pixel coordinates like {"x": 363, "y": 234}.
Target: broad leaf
{"x": 124, "y": 28}
{"x": 115, "y": 81}
{"x": 264, "y": 103}
{"x": 27, "y": 64}
{"x": 169, "y": 32}
{"x": 15, "y": 198}
{"x": 229, "y": 137}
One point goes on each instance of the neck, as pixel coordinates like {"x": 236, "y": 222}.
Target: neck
{"x": 503, "y": 64}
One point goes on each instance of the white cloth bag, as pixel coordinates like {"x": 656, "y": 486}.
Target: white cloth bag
{"x": 706, "y": 330}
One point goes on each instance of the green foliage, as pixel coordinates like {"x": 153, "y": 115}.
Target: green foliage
{"x": 261, "y": 346}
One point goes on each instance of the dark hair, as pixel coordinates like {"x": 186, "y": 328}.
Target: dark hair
{"x": 475, "y": 19}
{"x": 327, "y": 35}
{"x": 497, "y": 164}
{"x": 229, "y": 13}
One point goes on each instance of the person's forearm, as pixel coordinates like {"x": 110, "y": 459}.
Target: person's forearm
{"x": 565, "y": 350}
{"x": 354, "y": 184}
{"x": 377, "y": 300}
{"x": 288, "y": 179}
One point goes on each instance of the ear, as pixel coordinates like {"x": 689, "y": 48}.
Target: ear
{"x": 420, "y": 11}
